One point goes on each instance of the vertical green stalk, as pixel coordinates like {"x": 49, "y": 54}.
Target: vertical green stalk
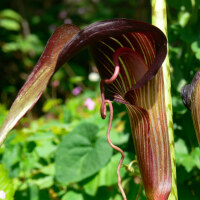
{"x": 159, "y": 19}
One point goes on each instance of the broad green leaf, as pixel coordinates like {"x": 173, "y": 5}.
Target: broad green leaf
{"x": 188, "y": 160}
{"x": 107, "y": 176}
{"x": 29, "y": 163}
{"x": 92, "y": 185}
{"x": 81, "y": 154}
{"x": 196, "y": 157}
{"x": 6, "y": 185}
{"x": 46, "y": 149}
{"x": 71, "y": 195}
{"x": 11, "y": 156}
{"x": 181, "y": 148}
{"x": 117, "y": 197}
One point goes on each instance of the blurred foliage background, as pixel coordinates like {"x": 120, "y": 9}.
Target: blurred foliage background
{"x": 35, "y": 161}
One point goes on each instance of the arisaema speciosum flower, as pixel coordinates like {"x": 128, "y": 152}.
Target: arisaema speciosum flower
{"x": 191, "y": 98}
{"x": 137, "y": 50}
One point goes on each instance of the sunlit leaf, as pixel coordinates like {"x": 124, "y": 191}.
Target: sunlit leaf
{"x": 71, "y": 195}
{"x": 9, "y": 24}
{"x": 80, "y": 154}
{"x": 6, "y": 185}
{"x": 10, "y": 14}
{"x": 186, "y": 159}
{"x": 45, "y": 182}
{"x": 107, "y": 176}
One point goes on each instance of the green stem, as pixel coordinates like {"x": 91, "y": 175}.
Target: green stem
{"x": 159, "y": 19}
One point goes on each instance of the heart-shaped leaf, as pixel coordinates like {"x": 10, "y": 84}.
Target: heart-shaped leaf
{"x": 81, "y": 154}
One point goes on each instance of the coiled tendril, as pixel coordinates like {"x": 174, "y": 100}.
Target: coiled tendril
{"x": 103, "y": 115}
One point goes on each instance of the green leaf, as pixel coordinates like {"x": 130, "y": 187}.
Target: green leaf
{"x": 48, "y": 170}
{"x": 11, "y": 46}
{"x": 11, "y": 14}
{"x": 12, "y": 156}
{"x": 76, "y": 79}
{"x": 45, "y": 182}
{"x": 195, "y": 46}
{"x": 6, "y": 185}
{"x": 189, "y": 161}
{"x": 107, "y": 176}
{"x": 196, "y": 157}
{"x": 50, "y": 103}
{"x": 184, "y": 18}
{"x": 46, "y": 149}
{"x": 34, "y": 192}
{"x": 178, "y": 106}
{"x": 181, "y": 148}
{"x": 40, "y": 137}
{"x": 81, "y": 154}
{"x": 9, "y": 24}
{"x": 71, "y": 195}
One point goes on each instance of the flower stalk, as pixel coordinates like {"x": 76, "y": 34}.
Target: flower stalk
{"x": 159, "y": 19}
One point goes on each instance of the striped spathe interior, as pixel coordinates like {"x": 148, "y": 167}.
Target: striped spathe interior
{"x": 145, "y": 106}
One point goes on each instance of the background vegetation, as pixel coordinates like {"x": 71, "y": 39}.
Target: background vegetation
{"x": 34, "y": 161}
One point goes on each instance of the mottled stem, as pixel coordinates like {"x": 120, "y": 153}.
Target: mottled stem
{"x": 103, "y": 115}
{"x": 159, "y": 19}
